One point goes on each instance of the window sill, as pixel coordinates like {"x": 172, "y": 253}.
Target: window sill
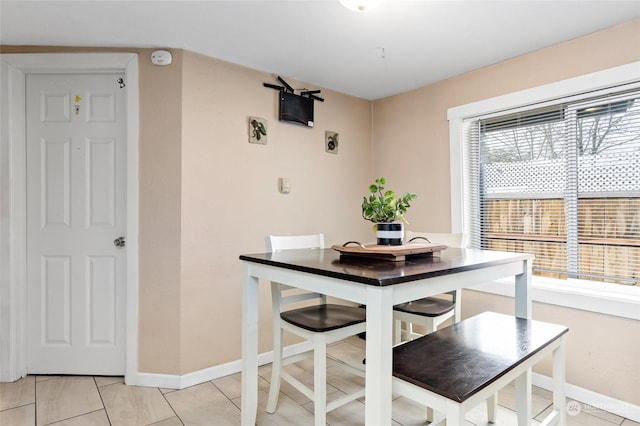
{"x": 610, "y": 299}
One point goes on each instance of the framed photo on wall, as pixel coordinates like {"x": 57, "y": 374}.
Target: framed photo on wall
{"x": 331, "y": 142}
{"x": 257, "y": 130}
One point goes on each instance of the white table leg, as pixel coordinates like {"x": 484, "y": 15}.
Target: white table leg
{"x": 249, "y": 405}
{"x": 523, "y": 290}
{"x": 378, "y": 392}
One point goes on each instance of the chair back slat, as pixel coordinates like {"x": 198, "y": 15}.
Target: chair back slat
{"x": 276, "y": 243}
{"x": 295, "y": 298}
{"x": 291, "y": 242}
{"x": 452, "y": 240}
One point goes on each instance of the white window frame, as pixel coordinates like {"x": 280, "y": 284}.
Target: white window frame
{"x": 611, "y": 299}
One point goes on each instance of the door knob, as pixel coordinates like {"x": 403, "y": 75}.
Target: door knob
{"x": 119, "y": 242}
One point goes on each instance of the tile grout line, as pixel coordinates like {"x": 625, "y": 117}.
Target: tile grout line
{"x": 225, "y": 395}
{"x": 164, "y": 396}
{"x": 104, "y": 407}
{"x": 73, "y": 417}
{"x": 35, "y": 399}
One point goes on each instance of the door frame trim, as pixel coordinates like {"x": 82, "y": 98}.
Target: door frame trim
{"x": 13, "y": 208}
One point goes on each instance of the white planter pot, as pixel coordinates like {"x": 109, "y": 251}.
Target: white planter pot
{"x": 390, "y": 234}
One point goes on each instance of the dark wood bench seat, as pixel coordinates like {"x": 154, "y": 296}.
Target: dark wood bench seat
{"x": 455, "y": 368}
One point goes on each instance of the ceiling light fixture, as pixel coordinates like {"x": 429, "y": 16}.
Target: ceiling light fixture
{"x": 361, "y": 5}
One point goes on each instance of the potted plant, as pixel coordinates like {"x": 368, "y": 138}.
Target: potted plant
{"x": 383, "y": 208}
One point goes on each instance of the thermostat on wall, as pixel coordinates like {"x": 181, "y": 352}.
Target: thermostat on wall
{"x": 161, "y": 57}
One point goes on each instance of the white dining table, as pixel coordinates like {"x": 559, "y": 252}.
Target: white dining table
{"x": 378, "y": 284}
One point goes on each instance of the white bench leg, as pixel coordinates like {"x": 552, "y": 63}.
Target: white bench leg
{"x": 559, "y": 374}
{"x": 492, "y": 408}
{"x": 558, "y": 415}
{"x": 523, "y": 398}
{"x": 455, "y": 414}
{"x": 430, "y": 414}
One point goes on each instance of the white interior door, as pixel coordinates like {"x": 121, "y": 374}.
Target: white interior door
{"x": 76, "y": 194}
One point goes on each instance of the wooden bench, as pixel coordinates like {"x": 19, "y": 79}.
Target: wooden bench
{"x": 455, "y": 368}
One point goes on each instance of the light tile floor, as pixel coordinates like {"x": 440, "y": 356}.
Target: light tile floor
{"x": 98, "y": 401}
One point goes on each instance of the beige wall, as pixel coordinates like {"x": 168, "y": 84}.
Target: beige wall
{"x": 230, "y": 199}
{"x": 160, "y": 174}
{"x": 411, "y": 148}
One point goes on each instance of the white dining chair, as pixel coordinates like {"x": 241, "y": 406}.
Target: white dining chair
{"x": 321, "y": 323}
{"x": 428, "y": 312}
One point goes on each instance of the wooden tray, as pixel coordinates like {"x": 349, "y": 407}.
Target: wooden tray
{"x": 393, "y": 253}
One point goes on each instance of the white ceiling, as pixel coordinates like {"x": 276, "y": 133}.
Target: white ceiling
{"x": 397, "y": 47}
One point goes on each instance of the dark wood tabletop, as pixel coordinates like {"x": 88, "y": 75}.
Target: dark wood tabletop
{"x": 330, "y": 263}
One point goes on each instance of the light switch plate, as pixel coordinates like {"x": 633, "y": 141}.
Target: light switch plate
{"x": 285, "y": 185}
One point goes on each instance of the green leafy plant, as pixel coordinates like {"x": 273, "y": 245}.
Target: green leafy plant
{"x": 383, "y": 206}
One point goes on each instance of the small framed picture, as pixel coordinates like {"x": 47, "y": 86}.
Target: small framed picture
{"x": 257, "y": 130}
{"x": 331, "y": 142}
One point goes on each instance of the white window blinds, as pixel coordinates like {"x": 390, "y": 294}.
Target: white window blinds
{"x": 561, "y": 182}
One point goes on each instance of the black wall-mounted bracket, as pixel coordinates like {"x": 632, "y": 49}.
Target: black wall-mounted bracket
{"x": 287, "y": 88}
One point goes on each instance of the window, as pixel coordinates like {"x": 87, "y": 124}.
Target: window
{"x": 561, "y": 181}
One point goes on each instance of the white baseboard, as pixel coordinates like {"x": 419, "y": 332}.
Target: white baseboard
{"x": 592, "y": 400}
{"x": 169, "y": 381}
